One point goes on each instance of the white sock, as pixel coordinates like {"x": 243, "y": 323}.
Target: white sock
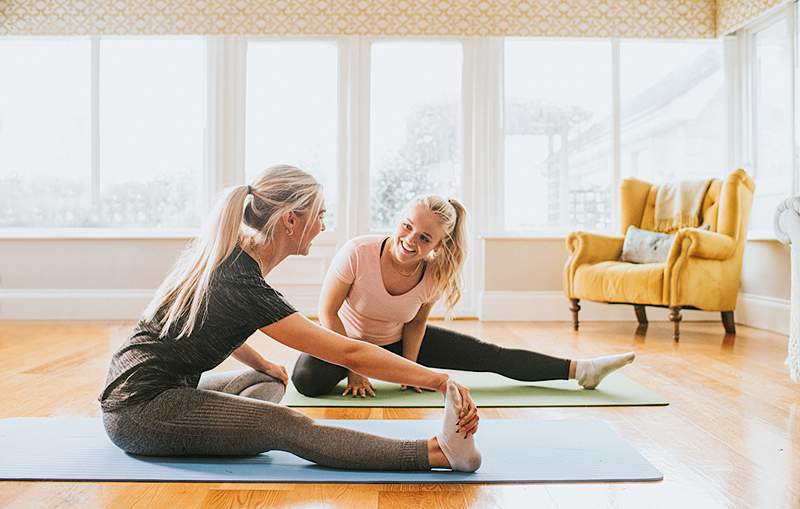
{"x": 590, "y": 372}
{"x": 459, "y": 451}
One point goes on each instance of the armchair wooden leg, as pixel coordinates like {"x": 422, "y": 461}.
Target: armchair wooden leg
{"x": 574, "y": 307}
{"x": 641, "y": 316}
{"x": 675, "y": 318}
{"x": 728, "y": 323}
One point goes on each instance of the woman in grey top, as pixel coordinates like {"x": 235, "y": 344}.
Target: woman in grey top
{"x": 158, "y": 400}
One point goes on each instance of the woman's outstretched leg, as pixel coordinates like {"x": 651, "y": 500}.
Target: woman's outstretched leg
{"x": 446, "y": 349}
{"x": 191, "y": 422}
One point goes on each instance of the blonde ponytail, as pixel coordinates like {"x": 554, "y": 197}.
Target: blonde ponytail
{"x": 181, "y": 300}
{"x": 447, "y": 261}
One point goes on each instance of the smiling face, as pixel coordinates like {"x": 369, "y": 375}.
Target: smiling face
{"x": 418, "y": 233}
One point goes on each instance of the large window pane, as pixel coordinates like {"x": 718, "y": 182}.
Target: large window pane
{"x": 772, "y": 121}
{"x": 292, "y": 111}
{"x": 45, "y": 132}
{"x": 672, "y": 110}
{"x": 415, "y": 135}
{"x": 152, "y": 121}
{"x": 557, "y": 135}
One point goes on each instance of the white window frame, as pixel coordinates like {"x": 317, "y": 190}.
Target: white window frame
{"x": 496, "y": 182}
{"x": 745, "y": 127}
{"x": 104, "y": 232}
{"x": 475, "y": 59}
{"x": 497, "y": 229}
{"x": 238, "y": 95}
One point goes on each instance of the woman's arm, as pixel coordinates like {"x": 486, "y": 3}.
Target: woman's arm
{"x": 414, "y": 331}
{"x": 248, "y": 355}
{"x": 334, "y": 292}
{"x": 300, "y": 333}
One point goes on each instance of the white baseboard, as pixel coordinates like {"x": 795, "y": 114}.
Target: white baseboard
{"x": 752, "y": 310}
{"x": 763, "y": 312}
{"x": 73, "y": 304}
{"x": 103, "y": 304}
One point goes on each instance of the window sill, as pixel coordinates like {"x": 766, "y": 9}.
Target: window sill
{"x": 524, "y": 236}
{"x": 325, "y": 238}
{"x": 762, "y": 236}
{"x": 97, "y": 233}
{"x": 755, "y": 235}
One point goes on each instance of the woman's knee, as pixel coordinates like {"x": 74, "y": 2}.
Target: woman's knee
{"x": 246, "y": 379}
{"x": 307, "y": 383}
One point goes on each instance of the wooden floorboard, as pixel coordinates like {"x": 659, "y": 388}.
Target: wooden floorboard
{"x": 729, "y": 438}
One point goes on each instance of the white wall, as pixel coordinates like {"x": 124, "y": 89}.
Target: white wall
{"x": 115, "y": 278}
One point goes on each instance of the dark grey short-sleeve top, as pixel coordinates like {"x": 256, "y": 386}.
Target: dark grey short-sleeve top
{"x": 239, "y": 302}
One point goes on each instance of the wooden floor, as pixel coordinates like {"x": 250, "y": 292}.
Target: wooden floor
{"x": 730, "y": 437}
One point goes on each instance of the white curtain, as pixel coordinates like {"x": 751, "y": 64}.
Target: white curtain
{"x": 787, "y": 229}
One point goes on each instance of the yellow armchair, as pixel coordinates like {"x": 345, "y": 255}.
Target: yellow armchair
{"x": 702, "y": 269}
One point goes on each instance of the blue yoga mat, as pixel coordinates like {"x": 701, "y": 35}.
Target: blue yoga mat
{"x": 77, "y": 449}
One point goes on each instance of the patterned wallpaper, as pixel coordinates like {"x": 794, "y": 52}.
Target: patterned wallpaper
{"x": 732, "y": 14}
{"x": 574, "y": 18}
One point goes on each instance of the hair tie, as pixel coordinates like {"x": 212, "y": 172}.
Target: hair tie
{"x": 249, "y": 190}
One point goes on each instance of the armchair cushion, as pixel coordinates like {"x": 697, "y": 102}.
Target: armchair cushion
{"x": 643, "y": 246}
{"x": 614, "y": 281}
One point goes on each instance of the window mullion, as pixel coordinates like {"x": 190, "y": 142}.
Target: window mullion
{"x": 95, "y": 123}
{"x": 345, "y": 228}
{"x": 793, "y": 74}
{"x": 361, "y": 124}
{"x": 616, "y": 129}
{"x": 226, "y": 89}
{"x": 733, "y": 92}
{"x": 495, "y": 142}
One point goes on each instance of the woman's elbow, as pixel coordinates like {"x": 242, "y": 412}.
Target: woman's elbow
{"x": 353, "y": 354}
{"x": 326, "y": 316}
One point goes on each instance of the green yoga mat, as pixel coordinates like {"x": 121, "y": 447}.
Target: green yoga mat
{"x": 491, "y": 390}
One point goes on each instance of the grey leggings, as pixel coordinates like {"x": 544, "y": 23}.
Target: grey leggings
{"x": 235, "y": 414}
{"x": 444, "y": 349}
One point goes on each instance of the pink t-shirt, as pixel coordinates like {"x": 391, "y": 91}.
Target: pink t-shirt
{"x": 369, "y": 312}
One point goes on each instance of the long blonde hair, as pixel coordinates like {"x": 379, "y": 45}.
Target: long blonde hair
{"x": 446, "y": 261}
{"x": 181, "y": 300}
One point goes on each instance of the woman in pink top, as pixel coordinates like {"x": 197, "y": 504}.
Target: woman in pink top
{"x": 381, "y": 290}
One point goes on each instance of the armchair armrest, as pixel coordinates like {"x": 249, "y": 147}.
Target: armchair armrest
{"x": 701, "y": 244}
{"x": 585, "y": 247}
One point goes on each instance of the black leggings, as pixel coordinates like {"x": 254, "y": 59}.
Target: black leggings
{"x": 444, "y": 349}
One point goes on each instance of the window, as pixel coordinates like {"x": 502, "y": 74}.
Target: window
{"x": 673, "y": 106}
{"x": 45, "y": 132}
{"x": 148, "y": 134}
{"x": 773, "y": 157}
{"x": 415, "y": 125}
{"x": 152, "y": 121}
{"x": 292, "y": 111}
{"x": 558, "y": 135}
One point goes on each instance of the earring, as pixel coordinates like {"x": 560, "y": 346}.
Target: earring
{"x": 289, "y": 232}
